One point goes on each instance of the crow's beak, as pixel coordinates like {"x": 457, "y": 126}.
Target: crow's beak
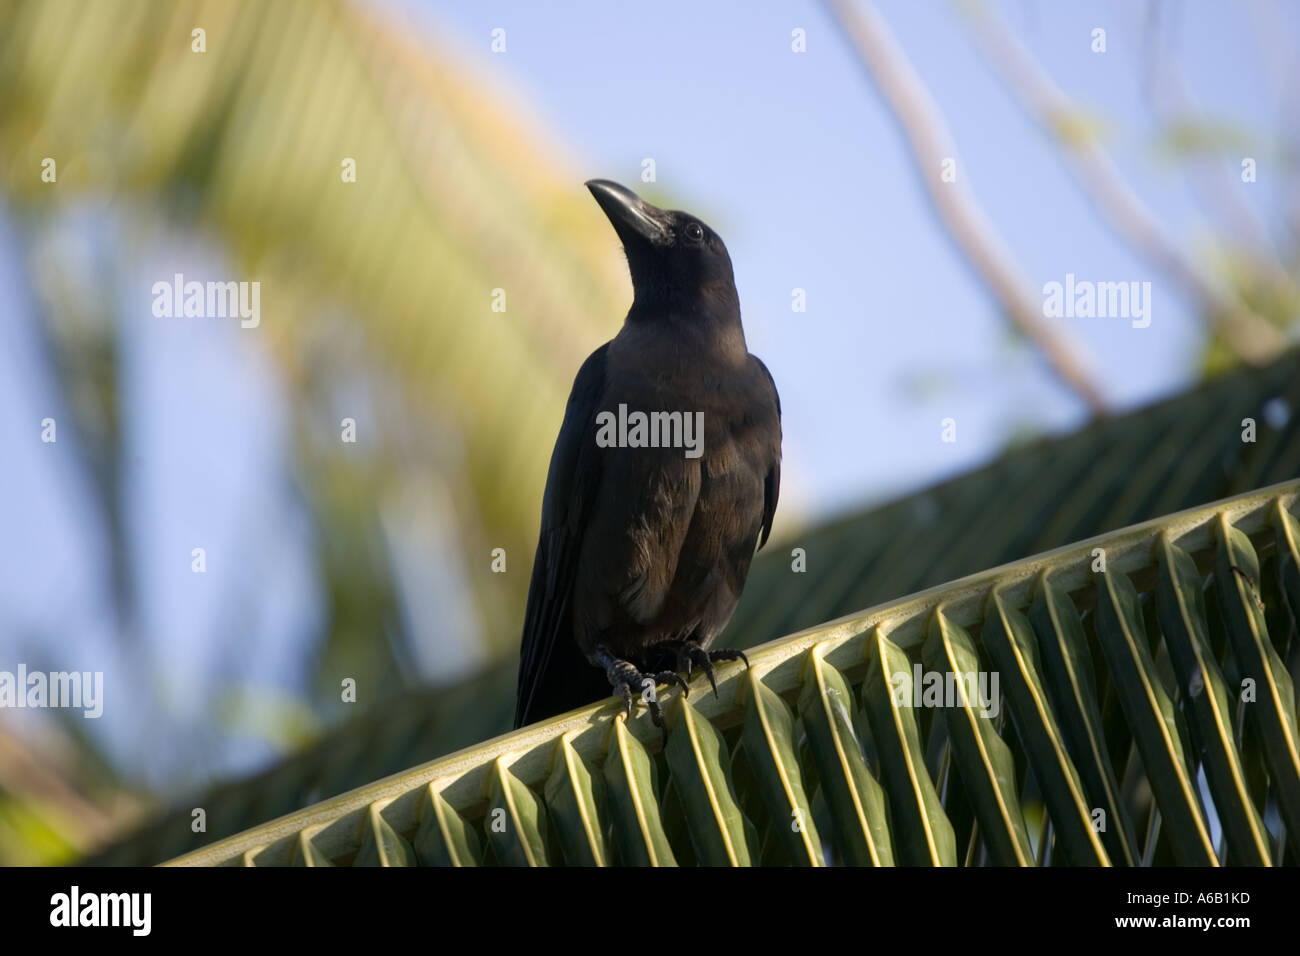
{"x": 633, "y": 218}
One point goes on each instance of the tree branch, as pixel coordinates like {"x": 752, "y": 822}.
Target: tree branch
{"x": 930, "y": 142}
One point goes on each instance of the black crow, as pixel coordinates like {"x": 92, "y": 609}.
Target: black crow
{"x": 663, "y": 481}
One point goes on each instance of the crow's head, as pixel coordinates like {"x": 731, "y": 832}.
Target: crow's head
{"x": 676, "y": 261}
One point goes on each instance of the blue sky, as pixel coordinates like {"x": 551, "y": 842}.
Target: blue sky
{"x": 797, "y": 163}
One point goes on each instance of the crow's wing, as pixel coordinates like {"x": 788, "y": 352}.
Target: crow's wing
{"x": 635, "y": 532}
{"x": 552, "y": 671}
{"x": 772, "y": 483}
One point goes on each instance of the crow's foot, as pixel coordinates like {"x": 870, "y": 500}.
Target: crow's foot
{"x": 690, "y": 655}
{"x": 626, "y": 678}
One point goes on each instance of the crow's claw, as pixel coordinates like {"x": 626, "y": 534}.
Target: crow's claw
{"x": 626, "y": 678}
{"x": 690, "y": 653}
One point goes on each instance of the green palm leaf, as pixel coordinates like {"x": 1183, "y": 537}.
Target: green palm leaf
{"x": 634, "y": 804}
{"x": 1150, "y": 711}
{"x": 921, "y": 829}
{"x": 855, "y": 800}
{"x": 697, "y": 755}
{"x": 982, "y": 757}
{"x": 1011, "y": 643}
{"x": 1271, "y": 703}
{"x": 771, "y": 746}
{"x": 1205, "y": 695}
{"x": 1149, "y": 591}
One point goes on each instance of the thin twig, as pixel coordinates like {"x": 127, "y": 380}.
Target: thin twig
{"x": 931, "y": 143}
{"x": 1221, "y": 193}
{"x": 1245, "y": 333}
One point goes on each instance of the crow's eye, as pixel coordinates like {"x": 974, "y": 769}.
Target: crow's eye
{"x": 694, "y": 231}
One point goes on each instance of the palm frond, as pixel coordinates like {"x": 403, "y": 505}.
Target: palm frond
{"x": 910, "y": 666}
